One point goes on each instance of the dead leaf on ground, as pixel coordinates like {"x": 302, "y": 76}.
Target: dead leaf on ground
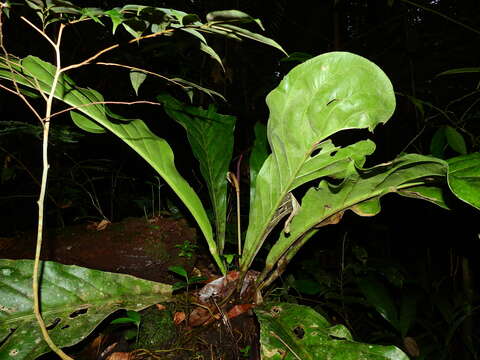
{"x": 102, "y": 225}
{"x": 198, "y": 316}
{"x": 119, "y": 356}
{"x": 178, "y": 317}
{"x": 160, "y": 307}
{"x": 239, "y": 310}
{"x": 98, "y": 225}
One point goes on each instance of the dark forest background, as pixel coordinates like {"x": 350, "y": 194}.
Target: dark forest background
{"x": 412, "y": 247}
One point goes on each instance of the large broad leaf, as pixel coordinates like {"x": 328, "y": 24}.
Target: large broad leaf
{"x": 324, "y": 95}
{"x": 211, "y": 136}
{"x": 378, "y": 296}
{"x": 89, "y": 109}
{"x": 464, "y": 178}
{"x": 258, "y": 155}
{"x": 292, "y": 332}
{"x": 74, "y": 301}
{"x": 359, "y": 192}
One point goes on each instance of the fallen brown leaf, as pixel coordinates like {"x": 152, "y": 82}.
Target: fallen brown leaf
{"x": 160, "y": 307}
{"x": 198, "y": 316}
{"x": 238, "y": 310}
{"x": 119, "y": 356}
{"x": 178, "y": 317}
{"x": 102, "y": 225}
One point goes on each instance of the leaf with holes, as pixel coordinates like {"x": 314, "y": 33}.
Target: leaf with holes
{"x": 291, "y": 332}
{"x": 313, "y": 102}
{"x": 361, "y": 193}
{"x": 74, "y": 301}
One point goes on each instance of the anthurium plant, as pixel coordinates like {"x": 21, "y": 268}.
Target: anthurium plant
{"x": 319, "y": 98}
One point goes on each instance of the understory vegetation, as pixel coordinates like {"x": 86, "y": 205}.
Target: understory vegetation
{"x": 303, "y": 229}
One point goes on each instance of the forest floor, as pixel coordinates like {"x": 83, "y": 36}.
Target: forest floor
{"x": 145, "y": 249}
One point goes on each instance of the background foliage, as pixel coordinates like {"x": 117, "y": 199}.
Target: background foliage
{"x": 411, "y": 259}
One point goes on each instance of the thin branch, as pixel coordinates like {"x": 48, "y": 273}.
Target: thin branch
{"x": 413, "y": 139}
{"x": 112, "y": 47}
{"x": 20, "y": 95}
{"x": 12, "y": 71}
{"x": 285, "y": 344}
{"x": 39, "y": 31}
{"x": 41, "y": 200}
{"x": 90, "y": 59}
{"x": 141, "y": 70}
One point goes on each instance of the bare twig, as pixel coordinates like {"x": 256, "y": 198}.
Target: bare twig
{"x": 141, "y": 70}
{"x": 41, "y": 32}
{"x": 112, "y": 47}
{"x": 285, "y": 344}
{"x": 41, "y": 198}
{"x": 12, "y": 71}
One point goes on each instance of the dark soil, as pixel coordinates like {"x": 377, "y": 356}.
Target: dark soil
{"x": 134, "y": 246}
{"x": 143, "y": 248}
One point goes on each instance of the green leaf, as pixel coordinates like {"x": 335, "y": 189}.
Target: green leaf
{"x": 86, "y": 124}
{"x": 210, "y": 135}
{"x": 455, "y": 140}
{"x": 180, "y": 270}
{"x": 189, "y": 85}
{"x": 438, "y": 143}
{"x": 314, "y": 101}
{"x": 116, "y": 16}
{"x": 132, "y": 317}
{"x": 297, "y": 57}
{"x": 137, "y": 78}
{"x": 179, "y": 285}
{"x": 209, "y": 51}
{"x": 379, "y": 298}
{"x": 36, "y": 5}
{"x": 292, "y": 332}
{"x": 433, "y": 194}
{"x": 460, "y": 71}
{"x": 197, "y": 279}
{"x": 74, "y": 301}
{"x": 232, "y": 15}
{"x": 89, "y": 12}
{"x": 258, "y": 155}
{"x": 130, "y": 29}
{"x": 408, "y": 312}
{"x": 360, "y": 192}
{"x": 135, "y": 133}
{"x": 248, "y": 34}
{"x": 464, "y": 178}
{"x": 191, "y": 19}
